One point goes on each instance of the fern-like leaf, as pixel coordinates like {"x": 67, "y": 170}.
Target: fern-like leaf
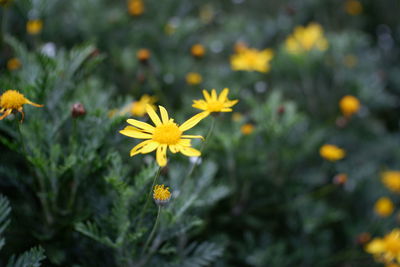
{"x": 31, "y": 258}
{"x": 203, "y": 254}
{"x": 5, "y": 210}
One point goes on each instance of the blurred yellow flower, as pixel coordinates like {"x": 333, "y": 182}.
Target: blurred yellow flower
{"x": 193, "y": 78}
{"x": 135, "y": 7}
{"x": 161, "y": 195}
{"x": 34, "y": 26}
{"x": 12, "y": 100}
{"x": 237, "y": 116}
{"x": 332, "y": 152}
{"x": 214, "y": 103}
{"x": 198, "y": 50}
{"x": 247, "y": 129}
{"x": 138, "y": 108}
{"x": 165, "y": 134}
{"x": 391, "y": 179}
{"x": 349, "y": 105}
{"x": 250, "y": 59}
{"x": 384, "y": 207}
{"x": 307, "y": 38}
{"x": 169, "y": 28}
{"x": 353, "y": 7}
{"x": 143, "y": 55}
{"x": 386, "y": 249}
{"x": 340, "y": 179}
{"x": 13, "y": 64}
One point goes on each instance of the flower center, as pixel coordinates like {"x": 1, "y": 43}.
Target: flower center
{"x": 11, "y": 99}
{"x": 215, "y": 106}
{"x": 168, "y": 134}
{"x": 161, "y": 193}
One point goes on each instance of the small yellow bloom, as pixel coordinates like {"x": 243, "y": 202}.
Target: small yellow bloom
{"x": 34, "y": 26}
{"x": 391, "y": 179}
{"x": 165, "y": 134}
{"x": 135, "y": 7}
{"x": 12, "y": 100}
{"x": 307, "y": 38}
{"x": 214, "y": 103}
{"x": 13, "y": 64}
{"x": 247, "y": 128}
{"x": 161, "y": 195}
{"x": 143, "y": 55}
{"x": 386, "y": 249}
{"x": 138, "y": 108}
{"x": 170, "y": 28}
{"x": 340, "y": 179}
{"x": 353, "y": 7}
{"x": 198, "y": 50}
{"x": 251, "y": 59}
{"x": 349, "y": 105}
{"x": 384, "y": 207}
{"x": 237, "y": 116}
{"x": 332, "y": 152}
{"x": 194, "y": 78}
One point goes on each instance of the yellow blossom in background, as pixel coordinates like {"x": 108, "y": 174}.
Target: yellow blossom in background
{"x": 353, "y": 7}
{"x": 206, "y": 13}
{"x": 387, "y": 249}
{"x": 193, "y": 78}
{"x": 237, "y": 116}
{"x": 307, "y": 38}
{"x": 138, "y": 108}
{"x": 349, "y": 105}
{"x": 12, "y": 100}
{"x": 135, "y": 7}
{"x": 250, "y": 59}
{"x": 165, "y": 134}
{"x": 214, "y": 103}
{"x": 34, "y": 26}
{"x": 332, "y": 152}
{"x": 197, "y": 50}
{"x": 240, "y": 46}
{"x": 169, "y": 28}
{"x": 143, "y": 55}
{"x": 391, "y": 179}
{"x": 13, "y": 64}
{"x": 161, "y": 195}
{"x": 247, "y": 129}
{"x": 384, "y": 207}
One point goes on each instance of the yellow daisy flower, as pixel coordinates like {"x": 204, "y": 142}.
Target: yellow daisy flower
{"x": 138, "y": 108}
{"x": 13, "y": 64}
{"x": 307, "y": 38}
{"x": 193, "y": 78}
{"x": 349, "y": 105}
{"x": 12, "y": 100}
{"x": 391, "y": 179}
{"x": 250, "y": 59}
{"x": 135, "y": 7}
{"x": 214, "y": 103}
{"x": 161, "y": 195}
{"x": 165, "y": 134}
{"x": 34, "y": 26}
{"x": 384, "y": 207}
{"x": 386, "y": 249}
{"x": 332, "y": 152}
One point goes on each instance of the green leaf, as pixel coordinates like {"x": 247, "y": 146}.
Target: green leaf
{"x": 31, "y": 258}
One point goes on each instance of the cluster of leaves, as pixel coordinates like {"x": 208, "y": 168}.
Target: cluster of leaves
{"x": 261, "y": 199}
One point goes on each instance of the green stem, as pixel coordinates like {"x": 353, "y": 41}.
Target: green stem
{"x": 153, "y": 231}
{"x": 148, "y": 198}
{"x": 3, "y": 26}
{"x": 24, "y": 151}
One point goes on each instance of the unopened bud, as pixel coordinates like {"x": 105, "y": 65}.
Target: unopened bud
{"x": 77, "y": 110}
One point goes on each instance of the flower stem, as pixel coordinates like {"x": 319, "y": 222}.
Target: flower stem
{"x": 21, "y": 138}
{"x": 148, "y": 197}
{"x": 153, "y": 231}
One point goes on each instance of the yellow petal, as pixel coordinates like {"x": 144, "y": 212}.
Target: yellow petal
{"x": 190, "y": 123}
{"x": 375, "y": 246}
{"x": 193, "y": 136}
{"x": 8, "y": 112}
{"x": 131, "y": 132}
{"x": 161, "y": 155}
{"x": 33, "y": 104}
{"x": 149, "y": 147}
{"x": 189, "y": 151}
{"x": 223, "y": 95}
{"x": 229, "y": 104}
{"x": 174, "y": 148}
{"x": 207, "y": 96}
{"x": 164, "y": 114}
{"x": 153, "y": 115}
{"x": 137, "y": 149}
{"x": 184, "y": 142}
{"x": 142, "y": 125}
{"x": 214, "y": 95}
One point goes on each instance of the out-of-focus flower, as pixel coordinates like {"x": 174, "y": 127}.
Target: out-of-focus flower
{"x": 340, "y": 179}
{"x": 237, "y": 116}
{"x": 169, "y": 28}
{"x": 307, "y": 38}
{"x": 363, "y": 238}
{"x": 197, "y": 51}
{"x": 161, "y": 195}
{"x": 77, "y": 110}
{"x": 165, "y": 134}
{"x": 240, "y": 46}
{"x": 214, "y": 103}
{"x": 34, "y": 26}
{"x": 353, "y": 7}
{"x": 135, "y": 7}
{"x": 12, "y": 100}
{"x": 49, "y": 49}
{"x": 387, "y": 249}
{"x": 251, "y": 59}
{"x": 391, "y": 179}
{"x": 143, "y": 55}
{"x": 193, "y": 78}
{"x": 138, "y": 108}
{"x": 384, "y": 207}
{"x": 332, "y": 152}
{"x": 350, "y": 61}
{"x": 13, "y": 64}
{"x": 206, "y": 13}
{"x": 247, "y": 129}
{"x": 349, "y": 105}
